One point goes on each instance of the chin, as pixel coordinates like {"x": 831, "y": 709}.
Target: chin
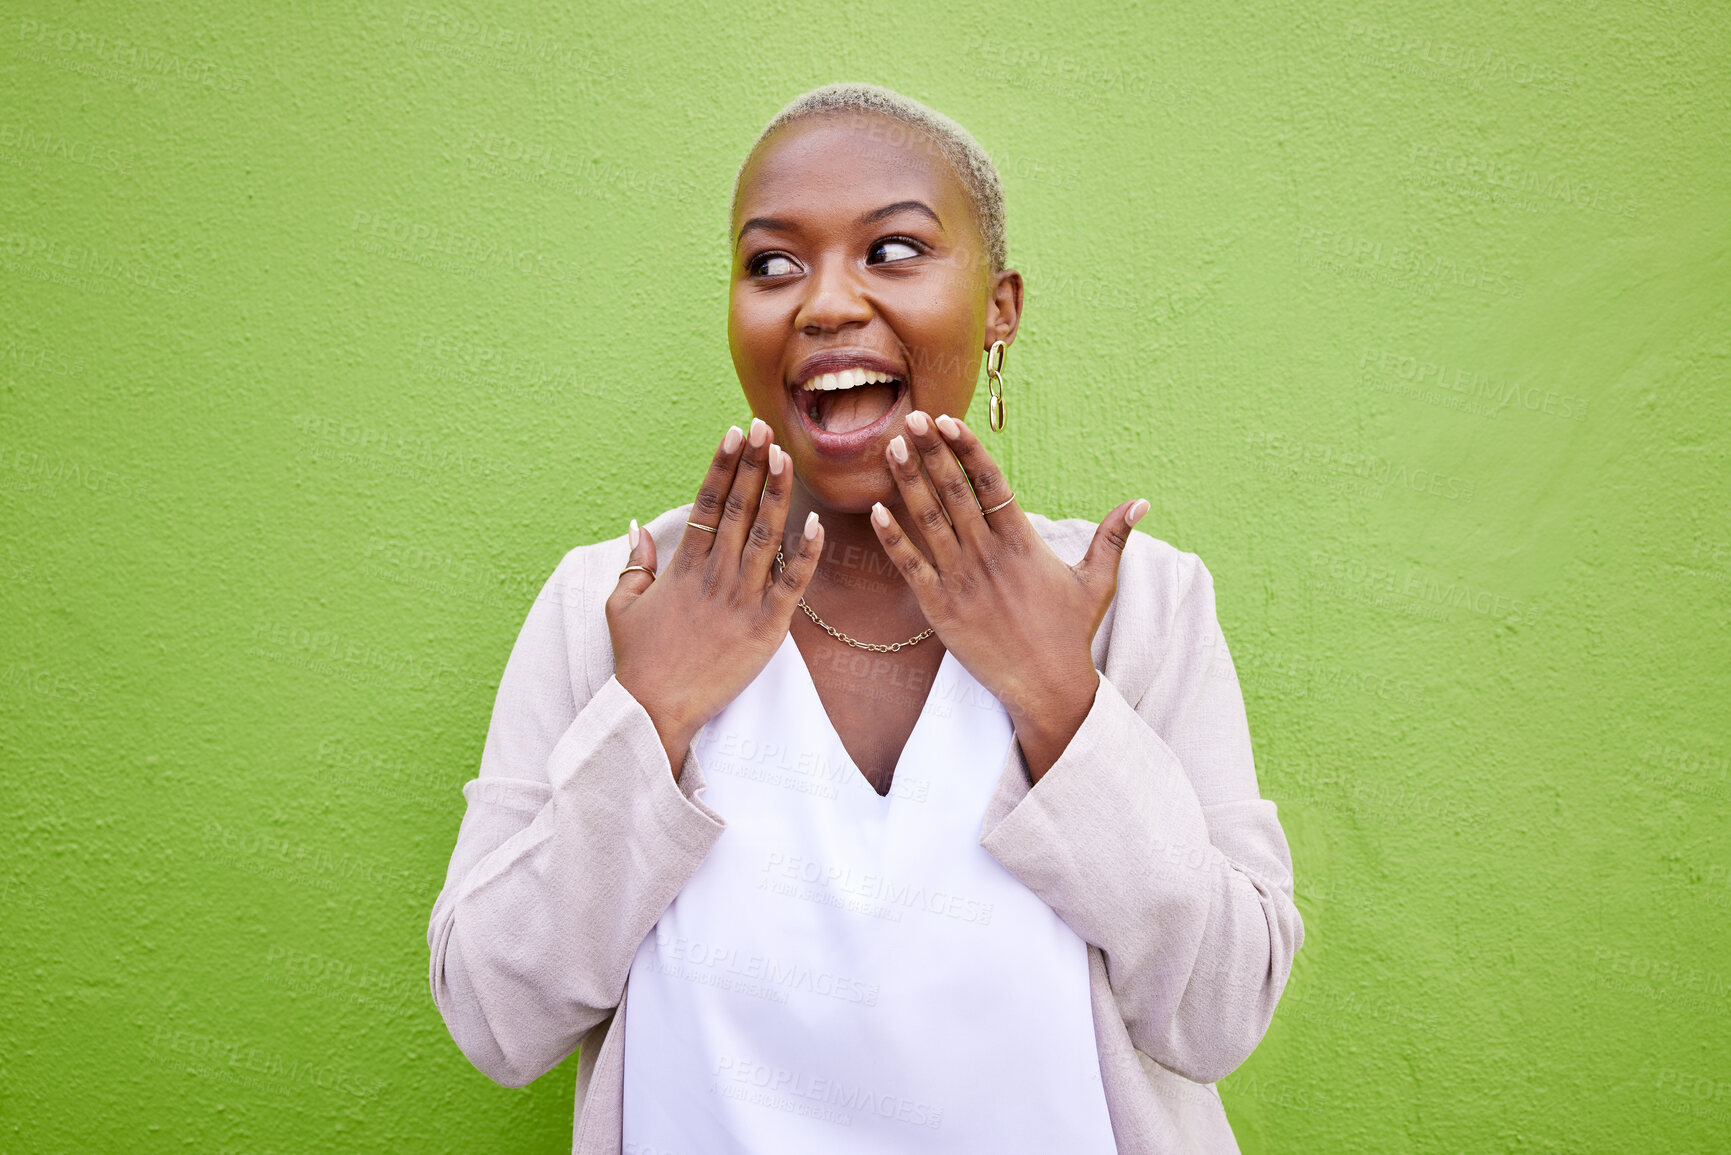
{"x": 851, "y": 490}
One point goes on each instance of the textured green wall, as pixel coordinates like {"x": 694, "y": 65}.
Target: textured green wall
{"x": 324, "y": 338}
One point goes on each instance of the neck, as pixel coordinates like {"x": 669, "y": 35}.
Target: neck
{"x": 856, "y": 583}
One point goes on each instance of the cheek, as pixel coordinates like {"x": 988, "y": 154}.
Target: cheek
{"x": 755, "y": 341}
{"x": 941, "y": 335}
{"x": 750, "y": 332}
{"x": 950, "y": 303}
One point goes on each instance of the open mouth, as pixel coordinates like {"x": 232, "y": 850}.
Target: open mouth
{"x": 849, "y": 400}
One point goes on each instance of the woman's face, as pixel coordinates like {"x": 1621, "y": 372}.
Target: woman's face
{"x": 861, "y": 291}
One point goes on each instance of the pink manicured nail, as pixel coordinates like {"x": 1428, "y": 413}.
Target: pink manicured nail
{"x": 776, "y": 457}
{"x": 899, "y": 448}
{"x": 811, "y": 525}
{"x": 631, "y": 535}
{"x": 880, "y": 514}
{"x": 918, "y": 423}
{"x": 1136, "y": 510}
{"x": 731, "y": 442}
{"x": 759, "y": 431}
{"x": 947, "y": 425}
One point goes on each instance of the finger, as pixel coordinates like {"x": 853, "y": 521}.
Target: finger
{"x": 765, "y": 536}
{"x": 789, "y": 586}
{"x": 926, "y": 512}
{"x": 914, "y": 568}
{"x": 1106, "y": 550}
{"x": 740, "y": 508}
{"x": 695, "y": 545}
{"x": 948, "y": 480}
{"x": 634, "y": 583}
{"x": 990, "y": 488}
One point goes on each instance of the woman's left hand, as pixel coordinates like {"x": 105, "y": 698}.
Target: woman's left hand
{"x": 1011, "y": 611}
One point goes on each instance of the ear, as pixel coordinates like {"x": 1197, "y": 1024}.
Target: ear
{"x": 1004, "y": 309}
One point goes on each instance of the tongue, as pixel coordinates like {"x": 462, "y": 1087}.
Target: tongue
{"x": 844, "y": 410}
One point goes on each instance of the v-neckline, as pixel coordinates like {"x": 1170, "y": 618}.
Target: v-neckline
{"x": 810, "y": 685}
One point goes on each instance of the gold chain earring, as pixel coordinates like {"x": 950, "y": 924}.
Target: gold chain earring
{"x": 995, "y": 386}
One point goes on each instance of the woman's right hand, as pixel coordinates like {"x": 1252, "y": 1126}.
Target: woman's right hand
{"x": 686, "y": 641}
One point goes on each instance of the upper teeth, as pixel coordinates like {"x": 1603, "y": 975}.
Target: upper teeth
{"x": 848, "y": 379}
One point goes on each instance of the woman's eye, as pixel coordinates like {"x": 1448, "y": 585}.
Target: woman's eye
{"x": 893, "y": 250}
{"x": 773, "y": 265}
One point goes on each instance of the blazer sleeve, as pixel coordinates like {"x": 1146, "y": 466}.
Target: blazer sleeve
{"x": 575, "y": 839}
{"x": 1149, "y": 838}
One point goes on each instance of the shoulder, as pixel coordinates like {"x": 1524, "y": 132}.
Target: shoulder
{"x": 1154, "y": 578}
{"x": 1143, "y": 625}
{"x": 1150, "y": 565}
{"x": 1151, "y": 568}
{"x": 592, "y": 570}
{"x": 573, "y": 600}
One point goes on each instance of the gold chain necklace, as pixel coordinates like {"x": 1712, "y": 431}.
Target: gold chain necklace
{"x": 875, "y": 647}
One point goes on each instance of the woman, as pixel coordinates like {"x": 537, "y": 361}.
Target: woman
{"x": 850, "y": 807}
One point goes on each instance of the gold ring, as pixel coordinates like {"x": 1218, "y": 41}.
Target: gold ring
{"x": 704, "y": 528}
{"x": 997, "y": 507}
{"x": 629, "y": 568}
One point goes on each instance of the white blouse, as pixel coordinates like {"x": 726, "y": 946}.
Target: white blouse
{"x": 848, "y": 972}
{"x": 1148, "y": 837}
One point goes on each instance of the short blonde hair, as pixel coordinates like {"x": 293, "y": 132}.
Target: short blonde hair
{"x": 979, "y": 176}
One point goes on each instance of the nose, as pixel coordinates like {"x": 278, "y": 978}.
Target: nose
{"x": 833, "y": 300}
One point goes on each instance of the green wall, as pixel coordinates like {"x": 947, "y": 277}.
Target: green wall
{"x": 324, "y": 337}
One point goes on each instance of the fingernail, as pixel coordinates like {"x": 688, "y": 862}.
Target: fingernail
{"x": 880, "y": 514}
{"x": 899, "y": 448}
{"x": 1137, "y": 509}
{"x": 631, "y": 535}
{"x": 918, "y": 423}
{"x": 776, "y": 457}
{"x": 947, "y": 425}
{"x": 811, "y": 525}
{"x": 731, "y": 441}
{"x": 759, "y": 431}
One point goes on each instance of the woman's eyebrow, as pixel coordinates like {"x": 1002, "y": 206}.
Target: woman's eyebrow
{"x": 899, "y": 206}
{"x": 777, "y": 224}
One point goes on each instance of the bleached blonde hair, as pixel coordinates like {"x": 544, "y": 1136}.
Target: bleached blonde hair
{"x": 979, "y": 176}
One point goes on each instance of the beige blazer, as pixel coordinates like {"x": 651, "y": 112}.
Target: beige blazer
{"x": 1148, "y": 837}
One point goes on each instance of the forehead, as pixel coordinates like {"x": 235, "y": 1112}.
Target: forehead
{"x": 838, "y": 165}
